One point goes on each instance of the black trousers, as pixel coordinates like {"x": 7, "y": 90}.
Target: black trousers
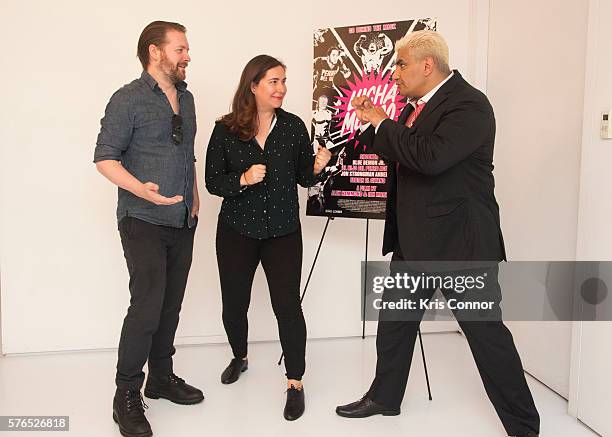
{"x": 238, "y": 257}
{"x": 494, "y": 352}
{"x": 158, "y": 260}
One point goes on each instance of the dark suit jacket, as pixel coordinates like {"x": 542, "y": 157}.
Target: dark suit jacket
{"x": 441, "y": 204}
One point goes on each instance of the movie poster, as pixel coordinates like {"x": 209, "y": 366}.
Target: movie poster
{"x": 349, "y": 62}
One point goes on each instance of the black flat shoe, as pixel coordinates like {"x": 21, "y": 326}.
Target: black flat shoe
{"x": 174, "y": 389}
{"x": 233, "y": 371}
{"x": 364, "y": 407}
{"x": 294, "y": 408}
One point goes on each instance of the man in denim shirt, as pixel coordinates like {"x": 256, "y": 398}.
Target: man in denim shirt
{"x": 145, "y": 147}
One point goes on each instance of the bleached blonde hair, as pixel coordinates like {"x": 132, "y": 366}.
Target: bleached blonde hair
{"x": 426, "y": 43}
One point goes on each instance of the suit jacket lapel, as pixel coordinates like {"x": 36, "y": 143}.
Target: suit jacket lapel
{"x": 438, "y": 98}
{"x": 406, "y": 111}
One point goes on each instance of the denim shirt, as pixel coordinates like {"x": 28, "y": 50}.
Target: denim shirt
{"x": 137, "y": 131}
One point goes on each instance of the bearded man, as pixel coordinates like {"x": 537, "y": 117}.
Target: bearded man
{"x": 145, "y": 147}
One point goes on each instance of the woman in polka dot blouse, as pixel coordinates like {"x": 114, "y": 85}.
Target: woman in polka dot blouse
{"x": 256, "y": 156}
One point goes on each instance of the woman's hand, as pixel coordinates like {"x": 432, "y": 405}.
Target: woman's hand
{"x": 321, "y": 159}
{"x": 254, "y": 175}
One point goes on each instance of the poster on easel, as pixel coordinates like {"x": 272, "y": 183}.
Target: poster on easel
{"x": 352, "y": 61}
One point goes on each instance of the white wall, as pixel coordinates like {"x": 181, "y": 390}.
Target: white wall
{"x": 64, "y": 280}
{"x": 536, "y": 86}
{"x": 591, "y": 401}
{"x": 591, "y": 381}
{"x": 594, "y": 236}
{"x": 535, "y": 78}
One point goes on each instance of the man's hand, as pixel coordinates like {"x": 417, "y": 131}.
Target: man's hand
{"x": 321, "y": 159}
{"x": 366, "y": 111}
{"x": 118, "y": 175}
{"x": 376, "y": 115}
{"x": 360, "y": 103}
{"x": 150, "y": 191}
{"x": 195, "y": 209}
{"x": 254, "y": 175}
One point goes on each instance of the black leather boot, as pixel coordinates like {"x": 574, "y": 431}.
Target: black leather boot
{"x": 128, "y": 413}
{"x": 233, "y": 370}
{"x": 173, "y": 388}
{"x": 294, "y": 408}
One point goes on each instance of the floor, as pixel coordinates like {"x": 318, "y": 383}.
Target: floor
{"x": 80, "y": 385}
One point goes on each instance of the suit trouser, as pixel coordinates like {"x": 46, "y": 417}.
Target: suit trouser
{"x": 281, "y": 257}
{"x": 158, "y": 260}
{"x": 494, "y": 352}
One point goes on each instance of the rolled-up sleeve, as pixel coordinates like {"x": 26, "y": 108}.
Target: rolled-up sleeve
{"x": 116, "y": 128}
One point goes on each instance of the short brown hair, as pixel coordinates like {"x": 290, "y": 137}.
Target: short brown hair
{"x": 154, "y": 33}
{"x": 242, "y": 120}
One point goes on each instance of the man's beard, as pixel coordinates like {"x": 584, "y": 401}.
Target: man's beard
{"x": 172, "y": 72}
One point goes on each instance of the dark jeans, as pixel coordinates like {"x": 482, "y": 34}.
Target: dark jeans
{"x": 158, "y": 260}
{"x": 494, "y": 352}
{"x": 238, "y": 257}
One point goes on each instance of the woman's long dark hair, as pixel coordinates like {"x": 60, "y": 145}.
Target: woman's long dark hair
{"x": 242, "y": 120}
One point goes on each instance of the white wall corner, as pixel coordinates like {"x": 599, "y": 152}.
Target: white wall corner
{"x": 574, "y": 381}
{"x": 589, "y": 125}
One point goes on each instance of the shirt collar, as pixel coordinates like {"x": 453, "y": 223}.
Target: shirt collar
{"x": 427, "y": 97}
{"x": 273, "y": 122}
{"x": 277, "y": 113}
{"x": 280, "y": 112}
{"x": 181, "y": 86}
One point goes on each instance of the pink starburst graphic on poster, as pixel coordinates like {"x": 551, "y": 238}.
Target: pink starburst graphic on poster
{"x": 379, "y": 88}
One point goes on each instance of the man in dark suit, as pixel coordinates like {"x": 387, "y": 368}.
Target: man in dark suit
{"x": 441, "y": 207}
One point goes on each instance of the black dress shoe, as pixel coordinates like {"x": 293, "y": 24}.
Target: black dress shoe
{"x": 529, "y": 434}
{"x": 294, "y": 407}
{"x": 365, "y": 407}
{"x": 174, "y": 389}
{"x": 128, "y": 413}
{"x": 233, "y": 370}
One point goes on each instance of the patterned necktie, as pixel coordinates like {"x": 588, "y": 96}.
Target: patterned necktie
{"x": 414, "y": 114}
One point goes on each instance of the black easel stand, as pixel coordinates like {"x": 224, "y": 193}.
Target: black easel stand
{"x": 365, "y": 281}
{"x": 365, "y": 276}
{"x": 424, "y": 364}
{"x": 363, "y": 306}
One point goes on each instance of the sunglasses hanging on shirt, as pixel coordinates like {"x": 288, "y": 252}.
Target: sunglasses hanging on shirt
{"x": 177, "y": 129}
